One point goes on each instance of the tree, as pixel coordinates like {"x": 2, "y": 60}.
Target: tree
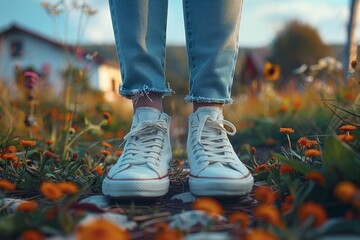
{"x": 296, "y": 44}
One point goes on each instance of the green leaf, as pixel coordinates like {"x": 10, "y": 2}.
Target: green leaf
{"x": 299, "y": 166}
{"x": 340, "y": 159}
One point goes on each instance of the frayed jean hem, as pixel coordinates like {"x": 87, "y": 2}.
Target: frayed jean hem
{"x": 192, "y": 99}
{"x": 135, "y": 94}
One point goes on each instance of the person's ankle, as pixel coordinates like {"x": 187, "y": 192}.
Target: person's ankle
{"x": 153, "y": 100}
{"x": 197, "y": 105}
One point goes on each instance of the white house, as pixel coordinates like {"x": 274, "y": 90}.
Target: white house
{"x": 25, "y": 48}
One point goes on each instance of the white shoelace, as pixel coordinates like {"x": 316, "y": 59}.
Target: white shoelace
{"x": 212, "y": 139}
{"x": 144, "y": 142}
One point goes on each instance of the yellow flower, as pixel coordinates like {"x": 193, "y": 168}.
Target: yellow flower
{"x": 27, "y": 206}
{"x": 241, "y": 218}
{"x": 271, "y": 72}
{"x": 287, "y": 130}
{"x": 208, "y": 205}
{"x": 51, "y": 191}
{"x": 345, "y": 191}
{"x": 7, "y": 185}
{"x": 314, "y": 210}
{"x": 101, "y": 229}
{"x": 68, "y": 187}
{"x": 32, "y": 235}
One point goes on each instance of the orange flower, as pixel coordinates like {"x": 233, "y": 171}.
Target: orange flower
{"x": 11, "y": 149}
{"x": 312, "y": 153}
{"x": 118, "y": 152}
{"x": 27, "y": 143}
{"x": 49, "y": 141}
{"x": 346, "y": 137}
{"x": 317, "y": 177}
{"x": 297, "y": 104}
{"x": 303, "y": 142}
{"x": 289, "y": 198}
{"x": 99, "y": 170}
{"x": 120, "y": 134}
{"x": 101, "y": 229}
{"x": 270, "y": 141}
{"x": 9, "y": 157}
{"x": 241, "y": 218}
{"x": 350, "y": 96}
{"x": 107, "y": 117}
{"x": 51, "y": 191}
{"x": 17, "y": 163}
{"x": 348, "y": 128}
{"x": 265, "y": 195}
{"x": 49, "y": 154}
{"x": 283, "y": 108}
{"x": 27, "y": 206}
{"x": 260, "y": 234}
{"x": 253, "y": 150}
{"x": 106, "y": 145}
{"x": 208, "y": 205}
{"x": 285, "y": 169}
{"x": 164, "y": 232}
{"x": 314, "y": 210}
{"x": 345, "y": 191}
{"x": 7, "y": 185}
{"x": 269, "y": 214}
{"x": 261, "y": 168}
{"x": 312, "y": 143}
{"x": 286, "y": 207}
{"x": 287, "y": 130}
{"x": 105, "y": 152}
{"x": 356, "y": 199}
{"x": 271, "y": 72}
{"x": 32, "y": 235}
{"x": 68, "y": 187}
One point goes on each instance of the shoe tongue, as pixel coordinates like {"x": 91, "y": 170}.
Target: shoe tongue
{"x": 145, "y": 114}
{"x": 214, "y": 112}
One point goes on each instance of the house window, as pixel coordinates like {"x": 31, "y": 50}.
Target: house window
{"x": 16, "y": 48}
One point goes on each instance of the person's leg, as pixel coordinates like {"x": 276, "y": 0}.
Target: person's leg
{"x": 212, "y": 31}
{"x": 140, "y": 32}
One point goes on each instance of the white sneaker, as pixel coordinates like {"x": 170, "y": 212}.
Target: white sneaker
{"x": 215, "y": 169}
{"x": 142, "y": 169}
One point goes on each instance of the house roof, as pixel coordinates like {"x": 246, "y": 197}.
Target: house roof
{"x": 13, "y": 28}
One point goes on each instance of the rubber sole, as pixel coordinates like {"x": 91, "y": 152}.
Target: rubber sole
{"x": 135, "y": 188}
{"x": 220, "y": 187}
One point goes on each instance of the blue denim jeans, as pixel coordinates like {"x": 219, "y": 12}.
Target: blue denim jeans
{"x": 212, "y": 32}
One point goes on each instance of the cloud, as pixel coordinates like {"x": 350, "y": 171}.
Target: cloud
{"x": 262, "y": 20}
{"x": 99, "y": 28}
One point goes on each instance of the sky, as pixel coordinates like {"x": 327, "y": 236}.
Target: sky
{"x": 261, "y": 20}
